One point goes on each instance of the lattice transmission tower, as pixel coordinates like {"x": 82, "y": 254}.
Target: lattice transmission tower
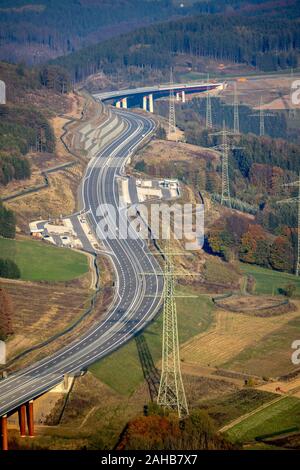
{"x": 208, "y": 107}
{"x": 172, "y": 116}
{"x": 296, "y": 200}
{"x": 171, "y": 394}
{"x": 236, "y": 116}
{"x": 225, "y": 147}
{"x": 292, "y": 110}
{"x": 262, "y": 114}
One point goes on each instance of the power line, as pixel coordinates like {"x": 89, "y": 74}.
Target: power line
{"x": 262, "y": 116}
{"x": 297, "y": 201}
{"x": 172, "y": 117}
{"x": 292, "y": 110}
{"x": 208, "y": 107}
{"x": 236, "y": 117}
{"x": 171, "y": 394}
{"x": 225, "y": 147}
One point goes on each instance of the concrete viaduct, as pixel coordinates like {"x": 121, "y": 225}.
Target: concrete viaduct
{"x": 146, "y": 95}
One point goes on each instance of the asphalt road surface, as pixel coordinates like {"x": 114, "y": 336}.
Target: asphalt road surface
{"x": 137, "y": 294}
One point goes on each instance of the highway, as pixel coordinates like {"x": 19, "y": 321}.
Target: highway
{"x": 137, "y": 295}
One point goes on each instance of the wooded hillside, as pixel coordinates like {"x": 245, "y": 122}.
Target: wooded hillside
{"x": 262, "y": 42}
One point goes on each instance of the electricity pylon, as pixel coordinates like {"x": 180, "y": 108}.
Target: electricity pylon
{"x": 292, "y": 201}
{"x": 172, "y": 117}
{"x": 224, "y": 147}
{"x": 262, "y": 116}
{"x": 208, "y": 107}
{"x": 261, "y": 120}
{"x": 236, "y": 111}
{"x": 292, "y": 110}
{"x": 236, "y": 117}
{"x": 171, "y": 392}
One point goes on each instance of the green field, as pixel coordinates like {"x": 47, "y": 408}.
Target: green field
{"x": 278, "y": 418}
{"x": 122, "y": 370}
{"x": 38, "y": 261}
{"x": 225, "y": 409}
{"x": 269, "y": 281}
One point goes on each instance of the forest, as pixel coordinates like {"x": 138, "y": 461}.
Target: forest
{"x": 289, "y": 9}
{"x": 234, "y": 237}
{"x": 6, "y": 314}
{"x": 157, "y": 431}
{"x": 259, "y": 168}
{"x": 265, "y": 43}
{"x": 20, "y": 127}
{"x": 24, "y": 126}
{"x": 21, "y": 130}
{"x": 271, "y": 149}
{"x": 50, "y": 28}
{"x": 275, "y": 124}
{"x": 7, "y": 222}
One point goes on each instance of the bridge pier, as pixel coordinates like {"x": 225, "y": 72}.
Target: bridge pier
{"x": 22, "y": 420}
{"x": 30, "y": 424}
{"x": 148, "y": 99}
{"x": 151, "y": 104}
{"x": 4, "y": 437}
{"x": 23, "y": 410}
{"x": 145, "y": 103}
{"x": 121, "y": 103}
{"x": 180, "y": 96}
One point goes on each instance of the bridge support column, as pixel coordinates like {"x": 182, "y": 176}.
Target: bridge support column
{"x": 66, "y": 381}
{"x": 118, "y": 104}
{"x": 4, "y": 438}
{"x": 30, "y": 423}
{"x": 151, "y": 108}
{"x": 22, "y": 420}
{"x": 177, "y": 96}
{"x": 145, "y": 103}
{"x": 183, "y": 96}
{"x": 124, "y": 103}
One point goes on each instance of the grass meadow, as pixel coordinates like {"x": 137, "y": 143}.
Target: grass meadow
{"x": 38, "y": 261}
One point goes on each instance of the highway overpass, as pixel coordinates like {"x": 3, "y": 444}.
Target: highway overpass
{"x": 147, "y": 95}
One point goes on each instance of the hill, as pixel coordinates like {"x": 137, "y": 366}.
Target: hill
{"x": 24, "y": 119}
{"x": 37, "y": 30}
{"x": 255, "y": 42}
{"x": 40, "y": 29}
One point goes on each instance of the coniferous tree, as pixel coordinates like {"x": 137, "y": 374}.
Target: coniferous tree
{"x": 6, "y": 313}
{"x": 7, "y": 222}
